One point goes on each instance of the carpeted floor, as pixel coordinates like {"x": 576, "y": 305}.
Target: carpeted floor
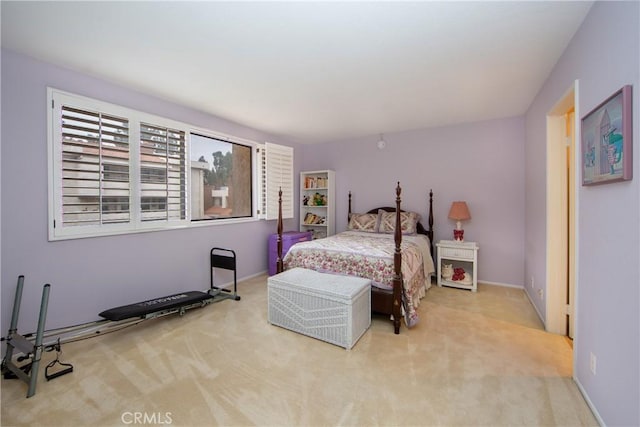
{"x": 474, "y": 359}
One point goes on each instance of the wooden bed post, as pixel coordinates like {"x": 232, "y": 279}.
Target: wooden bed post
{"x": 349, "y": 214}
{"x": 279, "y": 265}
{"x": 430, "y": 231}
{"x": 397, "y": 264}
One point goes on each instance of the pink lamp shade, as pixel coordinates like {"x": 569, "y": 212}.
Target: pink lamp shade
{"x": 460, "y": 212}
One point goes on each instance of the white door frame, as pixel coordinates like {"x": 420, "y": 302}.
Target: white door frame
{"x": 557, "y": 261}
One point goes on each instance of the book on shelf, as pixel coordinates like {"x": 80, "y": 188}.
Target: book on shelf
{"x": 315, "y": 182}
{"x": 313, "y": 219}
{"x": 309, "y": 182}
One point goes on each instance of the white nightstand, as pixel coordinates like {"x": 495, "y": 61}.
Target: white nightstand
{"x": 461, "y": 255}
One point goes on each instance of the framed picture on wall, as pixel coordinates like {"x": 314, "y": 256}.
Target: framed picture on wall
{"x": 606, "y": 140}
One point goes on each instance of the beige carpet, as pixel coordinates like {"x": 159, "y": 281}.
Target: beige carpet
{"x": 474, "y": 359}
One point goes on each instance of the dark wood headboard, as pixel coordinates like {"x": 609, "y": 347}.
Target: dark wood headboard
{"x": 420, "y": 228}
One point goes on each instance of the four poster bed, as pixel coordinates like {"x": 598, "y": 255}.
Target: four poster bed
{"x": 387, "y": 245}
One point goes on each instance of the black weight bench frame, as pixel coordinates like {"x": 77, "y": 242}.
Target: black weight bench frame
{"x": 113, "y": 320}
{"x": 218, "y": 259}
{"x": 168, "y": 304}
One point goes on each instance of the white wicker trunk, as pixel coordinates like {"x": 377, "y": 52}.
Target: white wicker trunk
{"x": 331, "y": 308}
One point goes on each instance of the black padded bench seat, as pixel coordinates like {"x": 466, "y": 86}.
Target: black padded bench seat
{"x": 144, "y": 308}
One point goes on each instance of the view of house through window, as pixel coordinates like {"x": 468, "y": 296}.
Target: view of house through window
{"x": 95, "y": 168}
{"x": 162, "y": 165}
{"x": 220, "y": 179}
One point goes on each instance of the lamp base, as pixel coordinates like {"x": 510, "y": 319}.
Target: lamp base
{"x": 458, "y": 235}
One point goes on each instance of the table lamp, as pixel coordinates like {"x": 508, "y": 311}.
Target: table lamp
{"x": 459, "y": 212}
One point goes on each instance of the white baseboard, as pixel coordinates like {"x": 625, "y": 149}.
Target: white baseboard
{"x": 260, "y": 273}
{"x": 242, "y": 279}
{"x": 536, "y": 309}
{"x": 505, "y": 285}
{"x": 589, "y": 402}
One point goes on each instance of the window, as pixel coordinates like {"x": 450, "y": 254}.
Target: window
{"x": 95, "y": 168}
{"x": 221, "y": 177}
{"x": 115, "y": 170}
{"x": 162, "y": 173}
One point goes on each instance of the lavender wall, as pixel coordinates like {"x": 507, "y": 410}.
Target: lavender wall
{"x": 604, "y": 56}
{"x": 481, "y": 163}
{"x": 90, "y": 275}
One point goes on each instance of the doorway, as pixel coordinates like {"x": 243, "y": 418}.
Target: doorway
{"x": 562, "y": 125}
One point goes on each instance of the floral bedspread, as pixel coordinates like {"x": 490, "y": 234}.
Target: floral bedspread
{"x": 369, "y": 255}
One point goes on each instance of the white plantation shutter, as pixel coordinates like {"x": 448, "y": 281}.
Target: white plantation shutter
{"x": 115, "y": 170}
{"x": 94, "y": 168}
{"x": 278, "y": 174}
{"x": 162, "y": 173}
{"x": 262, "y": 181}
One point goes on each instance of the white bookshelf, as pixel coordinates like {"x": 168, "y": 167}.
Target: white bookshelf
{"x": 317, "y": 202}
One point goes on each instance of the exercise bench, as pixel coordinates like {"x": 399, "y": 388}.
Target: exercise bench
{"x": 112, "y": 320}
{"x": 179, "y": 303}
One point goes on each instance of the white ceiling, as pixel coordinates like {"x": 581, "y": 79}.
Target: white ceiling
{"x": 310, "y": 72}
